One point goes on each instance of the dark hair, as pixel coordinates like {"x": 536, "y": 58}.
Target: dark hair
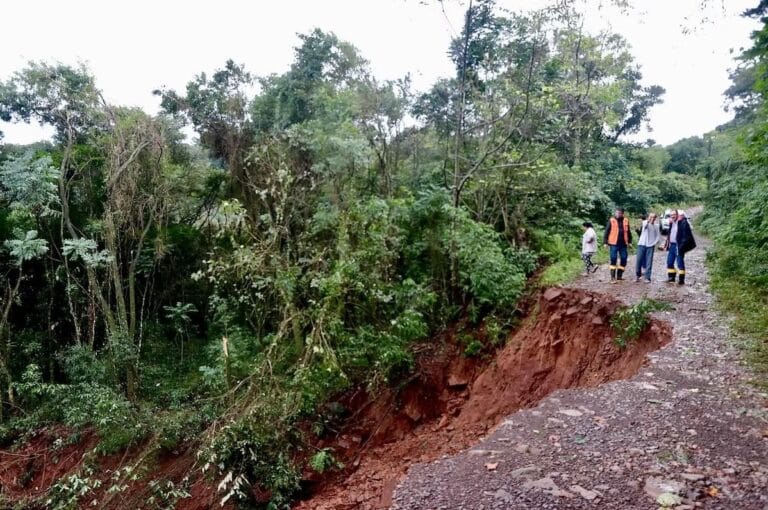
{"x": 620, "y": 209}
{"x": 586, "y": 224}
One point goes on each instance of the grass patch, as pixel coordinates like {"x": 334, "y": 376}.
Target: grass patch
{"x": 748, "y": 306}
{"x": 567, "y": 270}
{"x": 739, "y": 282}
{"x": 561, "y": 272}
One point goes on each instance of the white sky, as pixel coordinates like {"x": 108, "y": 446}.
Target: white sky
{"x": 133, "y": 47}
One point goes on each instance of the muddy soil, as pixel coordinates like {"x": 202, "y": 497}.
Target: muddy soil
{"x": 688, "y": 427}
{"x": 26, "y": 473}
{"x": 451, "y": 402}
{"x": 567, "y": 343}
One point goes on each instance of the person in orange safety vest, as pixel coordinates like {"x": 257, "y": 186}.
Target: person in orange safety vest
{"x": 618, "y": 237}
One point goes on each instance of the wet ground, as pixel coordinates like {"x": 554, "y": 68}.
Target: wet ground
{"x": 687, "y": 431}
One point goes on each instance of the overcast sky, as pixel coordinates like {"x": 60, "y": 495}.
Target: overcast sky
{"x": 133, "y": 47}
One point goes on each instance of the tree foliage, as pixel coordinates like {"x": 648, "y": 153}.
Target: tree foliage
{"x": 737, "y": 214}
{"x": 323, "y": 225}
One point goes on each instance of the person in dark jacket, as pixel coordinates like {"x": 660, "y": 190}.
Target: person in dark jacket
{"x": 679, "y": 242}
{"x": 618, "y": 236}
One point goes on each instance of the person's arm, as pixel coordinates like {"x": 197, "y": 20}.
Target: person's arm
{"x": 629, "y": 237}
{"x": 607, "y": 231}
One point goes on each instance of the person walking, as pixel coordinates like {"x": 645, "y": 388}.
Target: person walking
{"x": 646, "y": 245}
{"x": 671, "y": 247}
{"x": 679, "y": 242}
{"x": 588, "y": 247}
{"x": 618, "y": 237}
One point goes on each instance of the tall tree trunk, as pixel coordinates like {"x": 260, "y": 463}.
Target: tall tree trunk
{"x": 4, "y": 340}
{"x": 458, "y": 143}
{"x": 66, "y": 224}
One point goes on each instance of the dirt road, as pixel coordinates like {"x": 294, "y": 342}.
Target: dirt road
{"x": 688, "y": 428}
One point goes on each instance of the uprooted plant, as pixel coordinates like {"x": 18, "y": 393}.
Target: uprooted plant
{"x": 629, "y": 321}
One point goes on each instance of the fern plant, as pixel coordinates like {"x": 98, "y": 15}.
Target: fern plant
{"x": 324, "y": 460}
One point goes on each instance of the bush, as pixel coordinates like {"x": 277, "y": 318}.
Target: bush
{"x": 489, "y": 274}
{"x": 81, "y": 365}
{"x": 78, "y": 405}
{"x": 253, "y": 451}
{"x": 323, "y": 460}
{"x": 175, "y": 428}
{"x": 630, "y": 321}
{"x": 166, "y": 494}
{"x": 67, "y": 492}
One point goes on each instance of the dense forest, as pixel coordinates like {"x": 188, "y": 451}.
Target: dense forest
{"x": 323, "y": 225}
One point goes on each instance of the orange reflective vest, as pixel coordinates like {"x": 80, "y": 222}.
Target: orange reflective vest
{"x": 613, "y": 234}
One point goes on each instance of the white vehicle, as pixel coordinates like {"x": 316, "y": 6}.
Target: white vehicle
{"x": 665, "y": 221}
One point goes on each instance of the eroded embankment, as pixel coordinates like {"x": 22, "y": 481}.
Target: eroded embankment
{"x": 452, "y": 402}
{"x": 28, "y": 474}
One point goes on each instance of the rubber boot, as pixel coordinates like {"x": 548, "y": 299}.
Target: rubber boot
{"x": 613, "y": 274}
{"x": 619, "y": 274}
{"x": 681, "y": 279}
{"x": 671, "y": 277}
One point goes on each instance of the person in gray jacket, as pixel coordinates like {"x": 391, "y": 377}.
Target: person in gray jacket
{"x": 646, "y": 245}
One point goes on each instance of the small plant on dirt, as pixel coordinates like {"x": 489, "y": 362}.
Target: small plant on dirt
{"x": 122, "y": 477}
{"x": 324, "y": 460}
{"x": 254, "y": 451}
{"x": 679, "y": 455}
{"x": 472, "y": 346}
{"x": 498, "y": 327}
{"x": 494, "y": 330}
{"x": 629, "y": 321}
{"x": 166, "y": 494}
{"x": 68, "y": 491}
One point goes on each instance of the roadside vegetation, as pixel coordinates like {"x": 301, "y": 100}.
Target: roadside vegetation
{"x": 733, "y": 158}
{"x": 223, "y": 293}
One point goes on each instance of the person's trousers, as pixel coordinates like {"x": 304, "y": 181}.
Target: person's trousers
{"x": 644, "y": 261}
{"x": 587, "y": 259}
{"x": 675, "y": 256}
{"x": 618, "y": 254}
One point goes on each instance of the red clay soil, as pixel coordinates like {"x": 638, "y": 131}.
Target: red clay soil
{"x": 28, "y": 472}
{"x": 449, "y": 404}
{"x": 452, "y": 402}
{"x": 173, "y": 467}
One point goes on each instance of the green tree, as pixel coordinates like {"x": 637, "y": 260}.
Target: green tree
{"x": 26, "y": 247}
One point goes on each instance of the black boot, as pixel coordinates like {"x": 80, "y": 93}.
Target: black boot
{"x": 613, "y": 274}
{"x": 681, "y": 279}
{"x": 619, "y": 274}
{"x": 671, "y": 276}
